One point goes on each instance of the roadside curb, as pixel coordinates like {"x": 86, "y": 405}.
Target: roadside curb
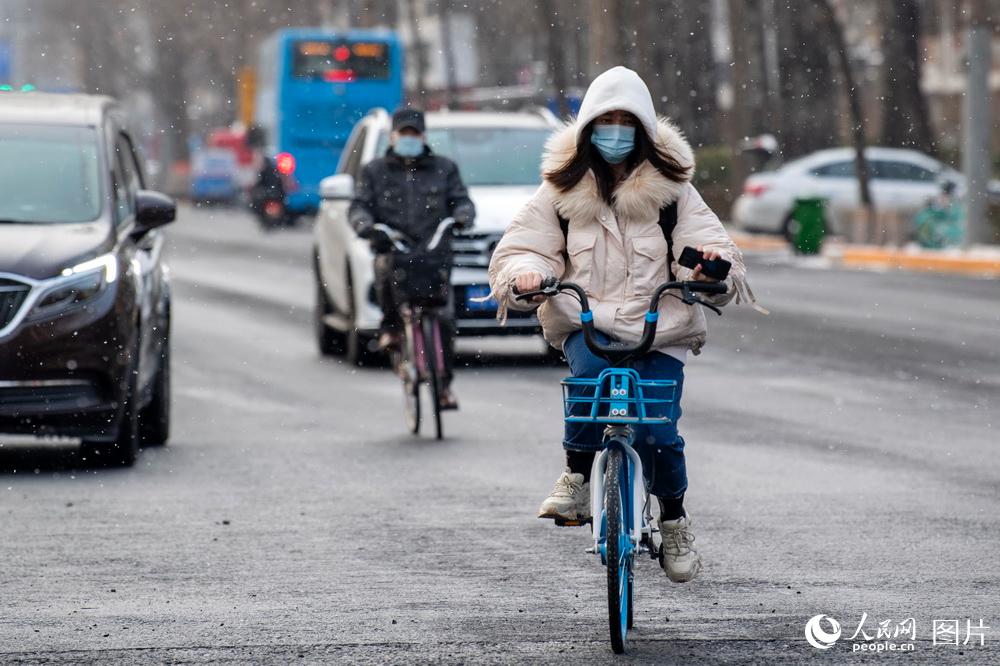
{"x": 978, "y": 262}
{"x": 758, "y": 243}
{"x": 954, "y": 262}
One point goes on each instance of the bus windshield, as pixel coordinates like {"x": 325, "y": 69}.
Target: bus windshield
{"x": 489, "y": 155}
{"x": 49, "y": 174}
{"x": 340, "y": 61}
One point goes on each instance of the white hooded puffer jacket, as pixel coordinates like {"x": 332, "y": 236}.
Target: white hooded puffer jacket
{"x": 617, "y": 253}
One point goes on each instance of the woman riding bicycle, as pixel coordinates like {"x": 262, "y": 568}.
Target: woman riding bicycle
{"x": 598, "y": 221}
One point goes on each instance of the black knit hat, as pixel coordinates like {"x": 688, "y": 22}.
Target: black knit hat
{"x": 408, "y": 118}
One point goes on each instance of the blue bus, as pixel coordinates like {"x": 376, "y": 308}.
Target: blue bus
{"x": 313, "y": 85}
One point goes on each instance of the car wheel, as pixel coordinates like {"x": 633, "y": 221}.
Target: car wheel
{"x": 124, "y": 450}
{"x": 786, "y": 229}
{"x": 358, "y": 352}
{"x": 357, "y": 344}
{"x": 154, "y": 419}
{"x": 329, "y": 340}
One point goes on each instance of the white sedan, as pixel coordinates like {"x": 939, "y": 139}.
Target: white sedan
{"x": 902, "y": 181}
{"x": 498, "y": 156}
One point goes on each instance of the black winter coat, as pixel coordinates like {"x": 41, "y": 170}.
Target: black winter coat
{"x": 412, "y": 197}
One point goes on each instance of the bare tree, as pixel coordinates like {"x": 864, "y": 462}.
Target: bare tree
{"x": 806, "y": 79}
{"x": 448, "y": 48}
{"x": 905, "y": 119}
{"x": 832, "y": 28}
{"x": 420, "y": 55}
{"x": 604, "y": 28}
{"x": 170, "y": 88}
{"x": 550, "y": 17}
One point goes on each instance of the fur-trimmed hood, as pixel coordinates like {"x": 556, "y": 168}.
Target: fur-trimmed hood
{"x": 640, "y": 196}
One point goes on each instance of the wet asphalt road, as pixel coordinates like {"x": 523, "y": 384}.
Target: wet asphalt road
{"x": 842, "y": 455}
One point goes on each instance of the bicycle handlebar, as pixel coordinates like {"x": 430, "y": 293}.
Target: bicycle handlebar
{"x": 615, "y": 351}
{"x": 404, "y": 243}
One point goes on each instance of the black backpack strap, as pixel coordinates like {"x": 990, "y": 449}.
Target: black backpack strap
{"x": 667, "y": 222}
{"x": 564, "y": 227}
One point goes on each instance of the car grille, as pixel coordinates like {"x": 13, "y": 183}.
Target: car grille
{"x": 474, "y": 250}
{"x": 12, "y": 297}
{"x": 17, "y": 398}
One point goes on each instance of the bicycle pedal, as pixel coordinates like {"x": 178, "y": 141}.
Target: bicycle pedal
{"x": 560, "y": 522}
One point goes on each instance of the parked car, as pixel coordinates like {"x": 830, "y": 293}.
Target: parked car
{"x": 234, "y": 139}
{"x": 214, "y": 176}
{"x": 902, "y": 181}
{"x": 498, "y": 155}
{"x": 84, "y": 294}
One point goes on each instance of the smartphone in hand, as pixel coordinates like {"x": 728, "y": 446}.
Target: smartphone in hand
{"x": 717, "y": 269}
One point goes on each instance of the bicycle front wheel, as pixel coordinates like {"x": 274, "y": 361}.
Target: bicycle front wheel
{"x": 618, "y": 548}
{"x": 432, "y": 336}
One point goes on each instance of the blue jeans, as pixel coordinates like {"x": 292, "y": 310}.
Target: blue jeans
{"x": 660, "y": 447}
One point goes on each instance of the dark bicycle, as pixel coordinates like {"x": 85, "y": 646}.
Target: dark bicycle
{"x": 421, "y": 282}
{"x": 619, "y": 399}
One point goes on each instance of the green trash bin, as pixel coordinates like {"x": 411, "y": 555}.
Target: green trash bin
{"x": 808, "y": 225}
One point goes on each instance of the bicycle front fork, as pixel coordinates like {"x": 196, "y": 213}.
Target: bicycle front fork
{"x": 621, "y": 437}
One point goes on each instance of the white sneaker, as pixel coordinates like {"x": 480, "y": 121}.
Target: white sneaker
{"x": 569, "y": 500}
{"x": 677, "y": 555}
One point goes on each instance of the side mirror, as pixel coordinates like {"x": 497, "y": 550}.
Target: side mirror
{"x": 337, "y": 187}
{"x": 152, "y": 210}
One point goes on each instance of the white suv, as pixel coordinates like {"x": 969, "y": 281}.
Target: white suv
{"x": 498, "y": 155}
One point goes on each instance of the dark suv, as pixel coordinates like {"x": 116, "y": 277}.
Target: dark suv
{"x": 84, "y": 294}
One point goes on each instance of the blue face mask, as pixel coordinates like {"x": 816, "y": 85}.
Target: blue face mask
{"x": 613, "y": 142}
{"x": 408, "y": 146}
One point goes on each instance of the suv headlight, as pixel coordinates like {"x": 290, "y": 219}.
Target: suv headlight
{"x": 77, "y": 285}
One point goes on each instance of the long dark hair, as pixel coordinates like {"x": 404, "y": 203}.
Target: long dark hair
{"x": 587, "y": 158}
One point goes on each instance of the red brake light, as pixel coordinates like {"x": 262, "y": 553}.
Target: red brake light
{"x": 341, "y": 53}
{"x": 338, "y": 75}
{"x": 285, "y": 163}
{"x": 273, "y": 208}
{"x": 753, "y": 189}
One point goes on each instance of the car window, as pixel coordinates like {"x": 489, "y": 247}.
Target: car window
{"x": 123, "y": 148}
{"x": 896, "y": 170}
{"x": 489, "y": 155}
{"x": 132, "y": 157}
{"x": 49, "y": 174}
{"x": 844, "y": 169}
{"x": 125, "y": 182}
{"x": 352, "y": 161}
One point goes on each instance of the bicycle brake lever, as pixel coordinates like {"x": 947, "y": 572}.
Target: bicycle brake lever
{"x": 689, "y": 298}
{"x": 695, "y": 300}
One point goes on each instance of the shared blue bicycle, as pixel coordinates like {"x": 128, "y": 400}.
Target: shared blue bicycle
{"x": 620, "y": 399}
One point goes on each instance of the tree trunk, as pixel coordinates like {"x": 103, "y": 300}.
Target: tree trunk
{"x": 905, "y": 121}
{"x": 604, "y": 32}
{"x": 809, "y": 121}
{"x": 447, "y": 46}
{"x": 556, "y": 54}
{"x": 417, "y": 46}
{"x": 168, "y": 82}
{"x": 741, "y": 29}
{"x": 698, "y": 74}
{"x": 836, "y": 34}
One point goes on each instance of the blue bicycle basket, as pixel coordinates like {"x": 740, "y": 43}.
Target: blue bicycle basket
{"x": 618, "y": 395}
